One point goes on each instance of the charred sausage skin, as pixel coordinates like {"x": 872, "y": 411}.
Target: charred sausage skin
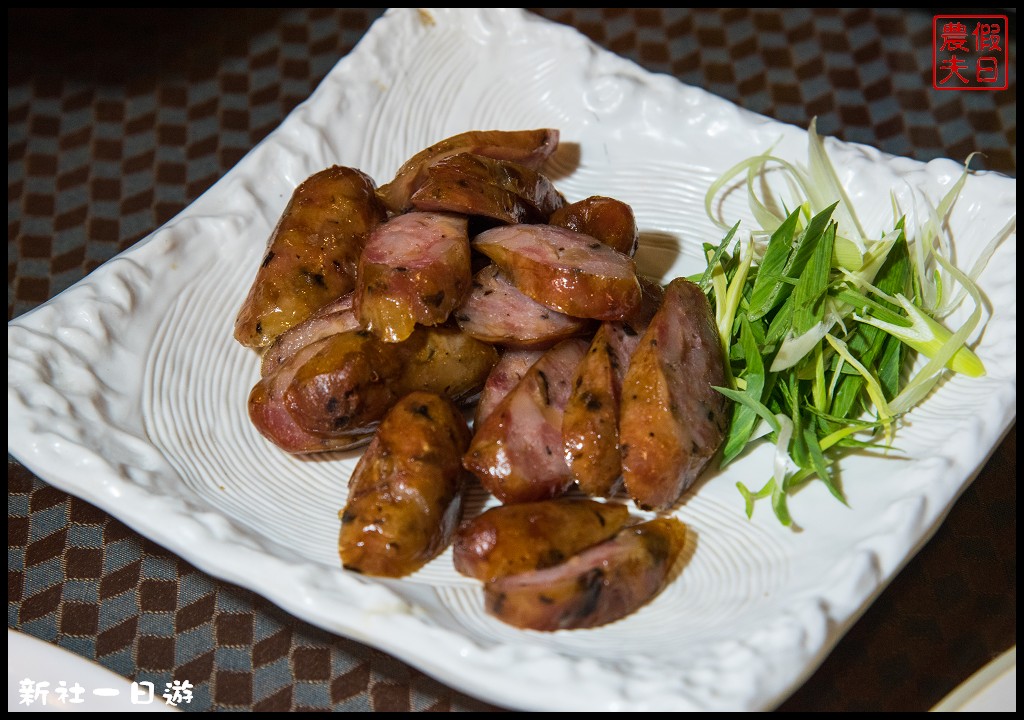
{"x": 495, "y": 189}
{"x": 672, "y": 421}
{"x": 330, "y": 395}
{"x": 609, "y": 220}
{"x": 526, "y": 147}
{"x": 510, "y": 539}
{"x": 405, "y": 494}
{"x": 312, "y": 254}
{"x": 600, "y": 585}
{"x": 516, "y": 452}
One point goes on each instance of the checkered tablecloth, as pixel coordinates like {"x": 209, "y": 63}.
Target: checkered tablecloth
{"x": 118, "y": 119}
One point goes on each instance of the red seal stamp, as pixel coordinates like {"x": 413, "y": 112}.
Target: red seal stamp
{"x": 970, "y": 52}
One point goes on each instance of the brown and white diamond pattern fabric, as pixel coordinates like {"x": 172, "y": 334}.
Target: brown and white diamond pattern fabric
{"x": 104, "y": 147}
{"x": 84, "y": 581}
{"x": 864, "y": 72}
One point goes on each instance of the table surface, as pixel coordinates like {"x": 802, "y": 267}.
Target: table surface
{"x": 115, "y": 125}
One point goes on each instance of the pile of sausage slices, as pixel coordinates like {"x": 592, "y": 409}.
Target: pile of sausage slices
{"x": 381, "y": 313}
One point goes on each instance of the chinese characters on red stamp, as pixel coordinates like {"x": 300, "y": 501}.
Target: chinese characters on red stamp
{"x": 970, "y": 52}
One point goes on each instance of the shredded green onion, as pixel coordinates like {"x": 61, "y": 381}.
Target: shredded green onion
{"x": 819, "y": 322}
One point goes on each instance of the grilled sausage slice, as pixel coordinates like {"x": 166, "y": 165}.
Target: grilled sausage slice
{"x": 672, "y": 421}
{"x": 609, "y": 220}
{"x": 517, "y": 451}
{"x": 590, "y": 427}
{"x": 600, "y": 585}
{"x": 565, "y": 270}
{"x": 414, "y": 269}
{"x": 345, "y": 387}
{"x": 503, "y": 378}
{"x": 405, "y": 495}
{"x": 446, "y": 361}
{"x": 495, "y": 311}
{"x": 312, "y": 254}
{"x": 512, "y": 539}
{"x": 475, "y": 185}
{"x": 526, "y": 147}
{"x": 333, "y": 318}
{"x": 270, "y": 414}
{"x": 331, "y": 394}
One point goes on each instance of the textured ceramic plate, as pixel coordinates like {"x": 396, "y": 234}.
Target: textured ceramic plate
{"x": 129, "y": 391}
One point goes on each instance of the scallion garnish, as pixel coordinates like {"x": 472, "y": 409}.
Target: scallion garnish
{"x": 818, "y": 321}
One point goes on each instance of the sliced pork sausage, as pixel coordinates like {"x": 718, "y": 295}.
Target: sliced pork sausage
{"x": 415, "y": 268}
{"x": 503, "y": 378}
{"x": 603, "y": 583}
{"x": 331, "y": 394}
{"x": 495, "y": 311}
{"x": 476, "y": 185}
{"x": 333, "y": 318}
{"x": 517, "y": 450}
{"x": 564, "y": 270}
{"x": 672, "y": 421}
{"x": 511, "y": 539}
{"x": 526, "y": 147}
{"x": 405, "y": 495}
{"x": 312, "y": 254}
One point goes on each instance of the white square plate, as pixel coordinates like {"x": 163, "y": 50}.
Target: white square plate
{"x": 129, "y": 391}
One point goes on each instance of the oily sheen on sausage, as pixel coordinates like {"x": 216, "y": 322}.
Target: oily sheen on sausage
{"x": 602, "y": 584}
{"x": 495, "y": 189}
{"x": 565, "y": 270}
{"x": 526, "y": 147}
{"x": 312, "y": 254}
{"x": 517, "y": 451}
{"x": 331, "y": 394}
{"x": 609, "y": 220}
{"x": 414, "y": 269}
{"x": 510, "y": 539}
{"x": 672, "y": 420}
{"x": 405, "y": 495}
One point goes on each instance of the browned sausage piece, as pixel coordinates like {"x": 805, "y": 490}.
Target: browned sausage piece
{"x": 672, "y": 421}
{"x": 526, "y": 147}
{"x": 331, "y": 394}
{"x": 270, "y": 414}
{"x": 475, "y": 185}
{"x": 565, "y": 270}
{"x": 590, "y": 427}
{"x": 405, "y": 495}
{"x": 414, "y": 269}
{"x": 446, "y": 361}
{"x": 312, "y": 255}
{"x": 347, "y": 386}
{"x": 512, "y": 539}
{"x": 517, "y": 451}
{"x": 503, "y": 378}
{"x": 609, "y": 220}
{"x": 333, "y": 318}
{"x": 495, "y": 311}
{"x": 600, "y": 585}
